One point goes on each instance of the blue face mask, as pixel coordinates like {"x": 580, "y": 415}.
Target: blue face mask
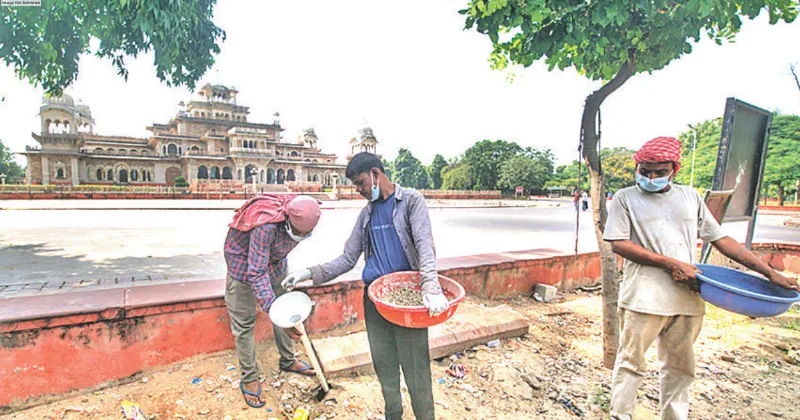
{"x": 376, "y": 190}
{"x": 652, "y": 185}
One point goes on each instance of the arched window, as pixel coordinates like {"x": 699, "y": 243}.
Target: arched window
{"x": 248, "y": 173}
{"x": 316, "y": 178}
{"x": 215, "y": 172}
{"x": 122, "y": 151}
{"x": 123, "y": 175}
{"x": 281, "y": 176}
{"x": 195, "y": 149}
{"x": 99, "y": 174}
{"x": 270, "y": 176}
{"x": 60, "y": 173}
{"x": 290, "y": 175}
{"x": 239, "y": 174}
{"x": 134, "y": 175}
{"x": 98, "y": 150}
{"x": 110, "y": 175}
{"x": 294, "y": 154}
{"x": 262, "y": 176}
{"x": 202, "y": 172}
{"x": 164, "y": 150}
{"x": 134, "y": 152}
{"x": 227, "y": 173}
{"x": 111, "y": 151}
{"x": 172, "y": 150}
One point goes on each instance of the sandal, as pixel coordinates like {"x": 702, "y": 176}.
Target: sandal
{"x": 302, "y": 371}
{"x": 245, "y": 393}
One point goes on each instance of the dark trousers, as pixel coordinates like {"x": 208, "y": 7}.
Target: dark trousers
{"x": 393, "y": 347}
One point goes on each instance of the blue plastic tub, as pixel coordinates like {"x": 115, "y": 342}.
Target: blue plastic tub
{"x": 743, "y": 293}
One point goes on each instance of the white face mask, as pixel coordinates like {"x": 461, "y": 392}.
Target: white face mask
{"x": 297, "y": 238}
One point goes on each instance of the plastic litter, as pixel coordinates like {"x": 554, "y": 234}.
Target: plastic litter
{"x": 457, "y": 370}
{"x": 132, "y": 411}
{"x": 493, "y": 344}
{"x": 196, "y": 381}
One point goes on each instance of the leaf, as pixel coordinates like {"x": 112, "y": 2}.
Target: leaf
{"x": 612, "y": 10}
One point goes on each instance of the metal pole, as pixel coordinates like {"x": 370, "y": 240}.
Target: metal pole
{"x": 694, "y": 149}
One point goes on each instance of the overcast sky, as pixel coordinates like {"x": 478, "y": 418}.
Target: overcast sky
{"x": 419, "y": 80}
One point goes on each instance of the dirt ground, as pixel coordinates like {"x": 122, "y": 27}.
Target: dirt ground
{"x": 747, "y": 369}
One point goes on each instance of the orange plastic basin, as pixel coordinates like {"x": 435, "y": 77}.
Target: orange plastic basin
{"x": 413, "y": 316}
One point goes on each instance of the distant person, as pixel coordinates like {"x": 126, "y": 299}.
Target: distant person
{"x": 394, "y": 233}
{"x": 263, "y": 232}
{"x": 654, "y": 226}
{"x": 585, "y": 201}
{"x": 576, "y": 200}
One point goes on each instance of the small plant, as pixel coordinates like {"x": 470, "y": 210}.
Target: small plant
{"x": 181, "y": 182}
{"x": 601, "y": 398}
{"x": 793, "y": 325}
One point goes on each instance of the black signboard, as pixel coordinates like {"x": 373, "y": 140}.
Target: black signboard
{"x": 741, "y": 158}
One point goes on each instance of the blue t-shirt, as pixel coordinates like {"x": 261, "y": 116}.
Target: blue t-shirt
{"x": 387, "y": 251}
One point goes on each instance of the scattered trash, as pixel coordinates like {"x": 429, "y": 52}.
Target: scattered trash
{"x": 132, "y": 411}
{"x": 301, "y": 414}
{"x": 493, "y": 344}
{"x": 230, "y": 367}
{"x": 571, "y": 407}
{"x": 457, "y": 370}
{"x": 144, "y": 380}
{"x": 441, "y": 381}
{"x": 196, "y": 381}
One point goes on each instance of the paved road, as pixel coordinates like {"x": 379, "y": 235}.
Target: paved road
{"x": 115, "y": 246}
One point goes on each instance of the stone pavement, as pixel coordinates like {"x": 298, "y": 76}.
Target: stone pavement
{"x": 470, "y": 326}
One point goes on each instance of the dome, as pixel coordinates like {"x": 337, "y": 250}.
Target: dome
{"x": 84, "y": 110}
{"x": 365, "y": 133}
{"x": 309, "y": 132}
{"x": 64, "y": 99}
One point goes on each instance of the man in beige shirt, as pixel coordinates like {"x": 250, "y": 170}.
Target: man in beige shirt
{"x": 654, "y": 226}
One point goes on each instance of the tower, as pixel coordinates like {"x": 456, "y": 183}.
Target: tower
{"x": 309, "y": 138}
{"x": 364, "y": 141}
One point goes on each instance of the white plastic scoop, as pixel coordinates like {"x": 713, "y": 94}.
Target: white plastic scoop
{"x": 290, "y": 311}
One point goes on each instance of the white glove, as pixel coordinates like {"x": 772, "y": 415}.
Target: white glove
{"x": 295, "y": 277}
{"x": 436, "y": 303}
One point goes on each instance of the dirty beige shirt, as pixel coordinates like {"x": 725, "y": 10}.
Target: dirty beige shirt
{"x": 668, "y": 224}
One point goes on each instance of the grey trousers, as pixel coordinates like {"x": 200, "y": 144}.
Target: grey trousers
{"x": 242, "y": 306}
{"x": 393, "y": 347}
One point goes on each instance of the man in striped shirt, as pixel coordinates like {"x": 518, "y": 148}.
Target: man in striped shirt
{"x": 261, "y": 235}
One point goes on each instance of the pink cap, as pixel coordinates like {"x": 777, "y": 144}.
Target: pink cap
{"x": 304, "y": 213}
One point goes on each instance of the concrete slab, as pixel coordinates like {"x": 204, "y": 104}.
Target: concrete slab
{"x": 470, "y": 326}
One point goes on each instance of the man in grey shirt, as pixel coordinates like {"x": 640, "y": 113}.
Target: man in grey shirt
{"x": 394, "y": 233}
{"x": 654, "y": 226}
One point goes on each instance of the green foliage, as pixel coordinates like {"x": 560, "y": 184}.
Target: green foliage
{"x": 782, "y": 168}
{"x": 567, "y": 176}
{"x": 409, "y": 171}
{"x": 619, "y": 168}
{"x": 180, "y": 181}
{"x": 708, "y": 135}
{"x": 485, "y": 159}
{"x": 388, "y": 168}
{"x": 435, "y": 171}
{"x": 597, "y": 38}
{"x": 456, "y": 177}
{"x": 531, "y": 170}
{"x": 44, "y": 44}
{"x": 8, "y": 166}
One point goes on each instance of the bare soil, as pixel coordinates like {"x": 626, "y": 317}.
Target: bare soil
{"x": 747, "y": 369}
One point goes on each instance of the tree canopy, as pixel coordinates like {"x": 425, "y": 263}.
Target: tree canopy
{"x": 409, "y": 171}
{"x": 485, "y": 159}
{"x": 457, "y": 177}
{"x": 8, "y": 166}
{"x": 44, "y": 44}
{"x": 435, "y": 171}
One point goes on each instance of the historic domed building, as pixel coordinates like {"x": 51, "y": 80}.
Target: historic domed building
{"x": 209, "y": 140}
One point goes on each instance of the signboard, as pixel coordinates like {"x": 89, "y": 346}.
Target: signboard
{"x": 717, "y": 203}
{"x": 741, "y": 158}
{"x": 520, "y": 190}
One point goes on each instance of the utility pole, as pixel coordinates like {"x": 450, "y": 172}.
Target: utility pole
{"x": 694, "y": 149}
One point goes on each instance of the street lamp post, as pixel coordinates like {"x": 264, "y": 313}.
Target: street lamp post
{"x": 694, "y": 149}
{"x": 253, "y": 173}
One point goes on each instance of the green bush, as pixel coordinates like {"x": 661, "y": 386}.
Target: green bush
{"x": 181, "y": 182}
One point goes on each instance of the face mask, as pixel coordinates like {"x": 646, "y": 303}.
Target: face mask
{"x": 376, "y": 191}
{"x": 297, "y": 238}
{"x": 652, "y": 185}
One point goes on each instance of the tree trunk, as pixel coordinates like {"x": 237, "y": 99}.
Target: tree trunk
{"x": 780, "y": 195}
{"x": 608, "y": 261}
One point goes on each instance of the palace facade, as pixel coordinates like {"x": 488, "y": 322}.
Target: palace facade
{"x": 209, "y": 140}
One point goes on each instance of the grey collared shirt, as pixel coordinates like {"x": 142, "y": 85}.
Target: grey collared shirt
{"x": 413, "y": 225}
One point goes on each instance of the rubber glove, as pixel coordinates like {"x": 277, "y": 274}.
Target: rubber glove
{"x": 295, "y": 277}
{"x": 436, "y": 303}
